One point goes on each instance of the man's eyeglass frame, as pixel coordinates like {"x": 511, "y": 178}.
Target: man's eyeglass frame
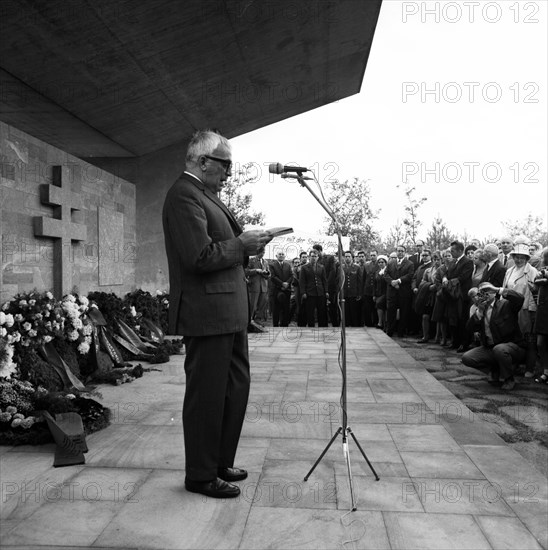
{"x": 227, "y": 164}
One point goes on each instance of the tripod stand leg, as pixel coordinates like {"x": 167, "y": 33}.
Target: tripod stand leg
{"x": 322, "y": 455}
{"x": 363, "y": 453}
{"x": 346, "y": 453}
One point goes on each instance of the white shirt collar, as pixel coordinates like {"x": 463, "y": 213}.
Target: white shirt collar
{"x": 193, "y": 176}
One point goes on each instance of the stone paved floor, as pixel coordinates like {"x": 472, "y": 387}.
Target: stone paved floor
{"x": 447, "y": 479}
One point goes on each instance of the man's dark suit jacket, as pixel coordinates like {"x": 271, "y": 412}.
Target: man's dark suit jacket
{"x": 494, "y": 275}
{"x": 504, "y": 323}
{"x": 369, "y": 271}
{"x": 353, "y": 282}
{"x": 415, "y": 259}
{"x": 404, "y": 272}
{"x": 462, "y": 271}
{"x": 207, "y": 286}
{"x": 280, "y": 274}
{"x": 509, "y": 260}
{"x": 313, "y": 283}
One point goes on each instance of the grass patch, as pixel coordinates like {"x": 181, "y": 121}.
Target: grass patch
{"x": 523, "y": 433}
{"x": 520, "y": 436}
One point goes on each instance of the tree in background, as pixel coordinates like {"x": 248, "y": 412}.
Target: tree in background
{"x": 395, "y": 236}
{"x": 349, "y": 201}
{"x": 438, "y": 236}
{"x": 237, "y": 200}
{"x": 411, "y": 221}
{"x": 533, "y": 227}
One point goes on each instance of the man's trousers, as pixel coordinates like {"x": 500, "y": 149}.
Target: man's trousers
{"x": 217, "y": 390}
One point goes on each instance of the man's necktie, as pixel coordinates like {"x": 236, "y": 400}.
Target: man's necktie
{"x": 505, "y": 260}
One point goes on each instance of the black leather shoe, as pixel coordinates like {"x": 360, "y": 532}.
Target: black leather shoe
{"x": 215, "y": 489}
{"x": 232, "y": 474}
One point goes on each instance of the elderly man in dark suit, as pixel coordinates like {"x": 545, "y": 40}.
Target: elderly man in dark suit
{"x": 494, "y": 271}
{"x": 206, "y": 252}
{"x": 495, "y": 317}
{"x": 398, "y": 275}
{"x": 281, "y": 278}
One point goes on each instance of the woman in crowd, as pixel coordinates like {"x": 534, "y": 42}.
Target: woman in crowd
{"x": 541, "y": 322}
{"x": 380, "y": 291}
{"x": 520, "y": 277}
{"x": 479, "y": 267}
{"x": 439, "y": 312}
{"x": 426, "y": 296}
{"x": 480, "y": 264}
{"x": 295, "y": 307}
{"x": 470, "y": 250}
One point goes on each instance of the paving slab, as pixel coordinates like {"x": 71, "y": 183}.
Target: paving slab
{"x": 407, "y": 531}
{"x": 506, "y": 533}
{"x": 322, "y": 529}
{"x": 446, "y": 479}
{"x": 434, "y": 465}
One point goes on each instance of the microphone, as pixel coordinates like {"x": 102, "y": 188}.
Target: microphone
{"x": 285, "y": 176}
{"x": 277, "y": 168}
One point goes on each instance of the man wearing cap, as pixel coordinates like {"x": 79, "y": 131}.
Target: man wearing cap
{"x": 494, "y": 271}
{"x": 495, "y": 318}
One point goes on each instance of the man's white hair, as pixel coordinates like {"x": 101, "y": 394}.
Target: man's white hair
{"x": 492, "y": 250}
{"x": 204, "y": 142}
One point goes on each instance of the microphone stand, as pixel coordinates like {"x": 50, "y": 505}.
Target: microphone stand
{"x": 343, "y": 430}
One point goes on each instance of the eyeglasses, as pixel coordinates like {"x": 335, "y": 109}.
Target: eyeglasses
{"x": 227, "y": 164}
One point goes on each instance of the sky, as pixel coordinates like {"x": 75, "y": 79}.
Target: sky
{"x": 456, "y": 108}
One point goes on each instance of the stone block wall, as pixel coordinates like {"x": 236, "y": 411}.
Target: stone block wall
{"x": 27, "y": 260}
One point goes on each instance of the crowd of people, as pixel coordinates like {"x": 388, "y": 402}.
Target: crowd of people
{"x": 488, "y": 303}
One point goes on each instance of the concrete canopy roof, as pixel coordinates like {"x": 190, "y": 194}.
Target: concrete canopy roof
{"x": 125, "y": 78}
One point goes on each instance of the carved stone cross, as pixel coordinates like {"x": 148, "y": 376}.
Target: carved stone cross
{"x": 63, "y": 227}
